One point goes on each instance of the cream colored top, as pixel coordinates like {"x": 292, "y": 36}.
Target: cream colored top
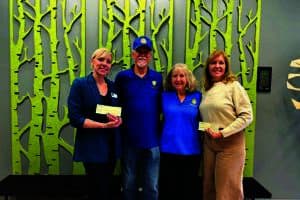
{"x": 228, "y": 106}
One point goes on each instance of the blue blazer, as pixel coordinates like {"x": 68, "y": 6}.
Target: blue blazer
{"x": 92, "y": 144}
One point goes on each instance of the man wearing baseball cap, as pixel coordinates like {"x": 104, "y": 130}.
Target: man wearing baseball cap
{"x": 140, "y": 90}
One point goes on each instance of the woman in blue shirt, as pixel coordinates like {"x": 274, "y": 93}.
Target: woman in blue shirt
{"x": 97, "y": 142}
{"x": 180, "y": 140}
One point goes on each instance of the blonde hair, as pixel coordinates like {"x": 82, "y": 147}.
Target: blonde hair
{"x": 191, "y": 80}
{"x": 207, "y": 81}
{"x": 101, "y": 52}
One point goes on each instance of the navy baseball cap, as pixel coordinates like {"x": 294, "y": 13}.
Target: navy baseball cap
{"x": 142, "y": 41}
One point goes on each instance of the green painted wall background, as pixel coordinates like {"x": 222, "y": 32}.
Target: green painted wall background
{"x": 48, "y": 48}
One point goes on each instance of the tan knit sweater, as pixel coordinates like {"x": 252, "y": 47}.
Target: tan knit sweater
{"x": 227, "y": 106}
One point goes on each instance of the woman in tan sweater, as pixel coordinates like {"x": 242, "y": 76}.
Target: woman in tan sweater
{"x": 226, "y": 106}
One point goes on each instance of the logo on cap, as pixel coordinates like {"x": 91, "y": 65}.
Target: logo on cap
{"x": 143, "y": 41}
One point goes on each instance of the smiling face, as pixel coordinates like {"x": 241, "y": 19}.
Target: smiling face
{"x": 179, "y": 80}
{"x": 102, "y": 64}
{"x": 217, "y": 68}
{"x": 142, "y": 57}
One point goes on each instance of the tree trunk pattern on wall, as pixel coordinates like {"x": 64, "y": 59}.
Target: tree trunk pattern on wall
{"x": 36, "y": 48}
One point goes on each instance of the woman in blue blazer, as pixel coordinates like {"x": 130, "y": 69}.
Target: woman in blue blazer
{"x": 97, "y": 142}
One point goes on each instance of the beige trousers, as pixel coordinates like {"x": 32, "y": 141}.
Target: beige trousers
{"x": 223, "y": 167}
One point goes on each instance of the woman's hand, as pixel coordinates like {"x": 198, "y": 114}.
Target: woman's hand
{"x": 213, "y": 134}
{"x": 114, "y": 121}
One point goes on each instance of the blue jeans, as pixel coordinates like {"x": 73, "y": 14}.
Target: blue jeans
{"x": 140, "y": 169}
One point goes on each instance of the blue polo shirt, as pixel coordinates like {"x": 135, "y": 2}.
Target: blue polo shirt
{"x": 140, "y": 99}
{"x": 180, "y": 125}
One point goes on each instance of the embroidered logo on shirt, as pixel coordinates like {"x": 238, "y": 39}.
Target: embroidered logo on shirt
{"x": 194, "y": 101}
{"x": 154, "y": 83}
{"x": 113, "y": 95}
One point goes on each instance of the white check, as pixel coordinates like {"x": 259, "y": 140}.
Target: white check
{"x": 205, "y": 125}
{"x": 103, "y": 109}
